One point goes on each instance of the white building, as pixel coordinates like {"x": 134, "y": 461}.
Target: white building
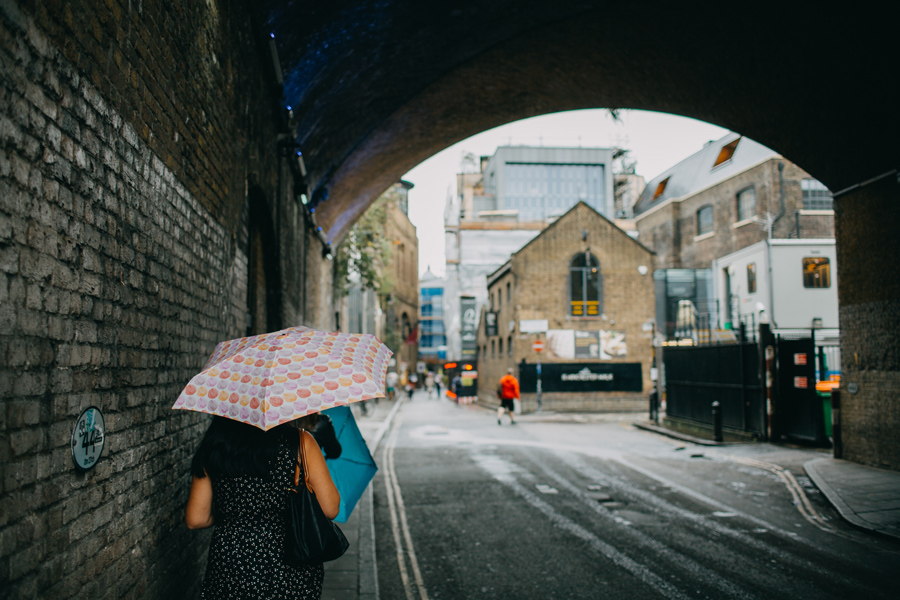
{"x": 791, "y": 283}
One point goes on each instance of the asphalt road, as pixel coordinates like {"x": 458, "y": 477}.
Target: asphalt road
{"x": 592, "y": 508}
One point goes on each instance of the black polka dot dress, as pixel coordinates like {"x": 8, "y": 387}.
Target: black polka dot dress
{"x": 246, "y": 558}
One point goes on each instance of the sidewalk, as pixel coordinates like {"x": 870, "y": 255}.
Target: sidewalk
{"x": 354, "y": 576}
{"x": 866, "y": 497}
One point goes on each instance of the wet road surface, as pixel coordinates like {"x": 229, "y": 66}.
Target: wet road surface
{"x": 556, "y": 508}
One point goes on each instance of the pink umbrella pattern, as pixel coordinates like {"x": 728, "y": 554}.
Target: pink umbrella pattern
{"x": 269, "y": 379}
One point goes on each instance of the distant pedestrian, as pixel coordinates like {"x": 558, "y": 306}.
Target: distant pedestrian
{"x": 429, "y": 383}
{"x": 392, "y": 379}
{"x": 509, "y": 393}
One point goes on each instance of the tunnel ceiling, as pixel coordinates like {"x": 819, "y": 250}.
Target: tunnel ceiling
{"x": 377, "y": 87}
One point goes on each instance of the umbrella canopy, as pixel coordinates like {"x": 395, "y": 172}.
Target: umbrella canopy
{"x": 354, "y": 468}
{"x": 269, "y": 379}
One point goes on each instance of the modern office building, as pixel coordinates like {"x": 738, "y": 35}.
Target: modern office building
{"x": 507, "y": 200}
{"x": 432, "y": 337}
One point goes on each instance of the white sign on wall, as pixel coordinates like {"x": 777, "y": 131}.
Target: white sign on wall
{"x": 533, "y": 326}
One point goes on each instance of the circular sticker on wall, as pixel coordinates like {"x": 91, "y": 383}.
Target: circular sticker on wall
{"x": 88, "y": 438}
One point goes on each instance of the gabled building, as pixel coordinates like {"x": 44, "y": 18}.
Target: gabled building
{"x": 584, "y": 288}
{"x": 501, "y": 204}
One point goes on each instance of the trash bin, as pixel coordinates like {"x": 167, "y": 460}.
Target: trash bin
{"x": 826, "y": 410}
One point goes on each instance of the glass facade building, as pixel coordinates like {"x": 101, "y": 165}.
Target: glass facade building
{"x": 432, "y": 334}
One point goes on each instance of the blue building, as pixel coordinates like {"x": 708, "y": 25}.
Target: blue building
{"x": 433, "y": 338}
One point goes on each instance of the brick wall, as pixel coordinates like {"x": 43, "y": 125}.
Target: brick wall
{"x": 539, "y": 287}
{"x": 671, "y": 229}
{"x": 869, "y": 299}
{"x": 128, "y": 135}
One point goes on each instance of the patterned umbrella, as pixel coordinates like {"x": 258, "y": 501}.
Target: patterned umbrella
{"x": 269, "y": 379}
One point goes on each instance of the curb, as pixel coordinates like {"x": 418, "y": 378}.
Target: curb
{"x": 681, "y": 436}
{"x": 368, "y": 566}
{"x": 843, "y": 509}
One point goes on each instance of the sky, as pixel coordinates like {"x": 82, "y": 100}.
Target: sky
{"x": 657, "y": 141}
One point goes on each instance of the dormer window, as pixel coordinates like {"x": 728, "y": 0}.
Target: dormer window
{"x": 661, "y": 188}
{"x": 726, "y": 153}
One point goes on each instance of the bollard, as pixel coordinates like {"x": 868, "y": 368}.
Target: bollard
{"x": 654, "y": 406}
{"x": 836, "y": 424}
{"x": 717, "y": 421}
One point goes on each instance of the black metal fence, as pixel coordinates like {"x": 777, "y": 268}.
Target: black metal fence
{"x": 697, "y": 376}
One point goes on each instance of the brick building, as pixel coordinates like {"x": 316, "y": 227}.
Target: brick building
{"x": 592, "y": 285}
{"x": 147, "y": 211}
{"x": 717, "y": 201}
{"x": 401, "y": 310}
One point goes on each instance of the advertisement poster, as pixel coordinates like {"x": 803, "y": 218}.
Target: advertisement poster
{"x": 560, "y": 344}
{"x": 569, "y": 344}
{"x": 469, "y": 328}
{"x": 587, "y": 344}
{"x": 612, "y": 344}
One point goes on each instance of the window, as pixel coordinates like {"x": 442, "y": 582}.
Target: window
{"x": 726, "y": 153}
{"x": 509, "y": 345}
{"x": 816, "y": 196}
{"x": 751, "y": 278}
{"x": 746, "y": 204}
{"x": 493, "y": 349}
{"x": 500, "y": 346}
{"x": 508, "y": 293}
{"x": 816, "y": 272}
{"x": 705, "y": 220}
{"x": 661, "y": 188}
{"x": 585, "y": 286}
{"x": 499, "y": 299}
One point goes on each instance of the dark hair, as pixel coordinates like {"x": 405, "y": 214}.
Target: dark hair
{"x": 234, "y": 449}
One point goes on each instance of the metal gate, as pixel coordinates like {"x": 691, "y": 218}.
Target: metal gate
{"x": 799, "y": 409}
{"x": 696, "y": 376}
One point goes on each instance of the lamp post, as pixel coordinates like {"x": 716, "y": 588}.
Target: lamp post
{"x": 538, "y": 347}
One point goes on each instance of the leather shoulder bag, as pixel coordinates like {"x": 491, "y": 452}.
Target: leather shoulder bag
{"x": 312, "y": 537}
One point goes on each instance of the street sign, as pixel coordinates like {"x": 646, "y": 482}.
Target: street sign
{"x": 537, "y": 346}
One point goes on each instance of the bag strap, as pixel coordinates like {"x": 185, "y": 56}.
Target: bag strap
{"x": 301, "y": 465}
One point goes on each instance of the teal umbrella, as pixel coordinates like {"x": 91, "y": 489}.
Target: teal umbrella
{"x": 354, "y": 468}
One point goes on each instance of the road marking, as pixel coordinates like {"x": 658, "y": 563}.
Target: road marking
{"x": 399, "y": 521}
{"x": 801, "y": 501}
{"x": 686, "y": 563}
{"x": 395, "y": 529}
{"x": 618, "y": 558}
{"x": 783, "y": 556}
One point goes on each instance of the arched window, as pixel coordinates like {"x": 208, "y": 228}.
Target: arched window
{"x": 585, "y": 286}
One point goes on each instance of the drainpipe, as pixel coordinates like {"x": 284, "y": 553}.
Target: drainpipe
{"x": 769, "y": 244}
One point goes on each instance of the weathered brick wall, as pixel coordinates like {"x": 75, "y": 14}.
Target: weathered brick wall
{"x": 128, "y": 135}
{"x": 671, "y": 230}
{"x": 869, "y": 299}
{"x": 539, "y": 286}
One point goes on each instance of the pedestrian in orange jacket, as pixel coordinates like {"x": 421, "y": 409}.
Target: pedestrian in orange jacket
{"x": 509, "y": 393}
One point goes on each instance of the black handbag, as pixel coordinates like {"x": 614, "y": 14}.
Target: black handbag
{"x": 311, "y": 537}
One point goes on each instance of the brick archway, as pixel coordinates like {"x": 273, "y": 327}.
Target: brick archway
{"x": 377, "y": 88}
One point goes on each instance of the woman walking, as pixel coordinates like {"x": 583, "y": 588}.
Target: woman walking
{"x": 242, "y": 476}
